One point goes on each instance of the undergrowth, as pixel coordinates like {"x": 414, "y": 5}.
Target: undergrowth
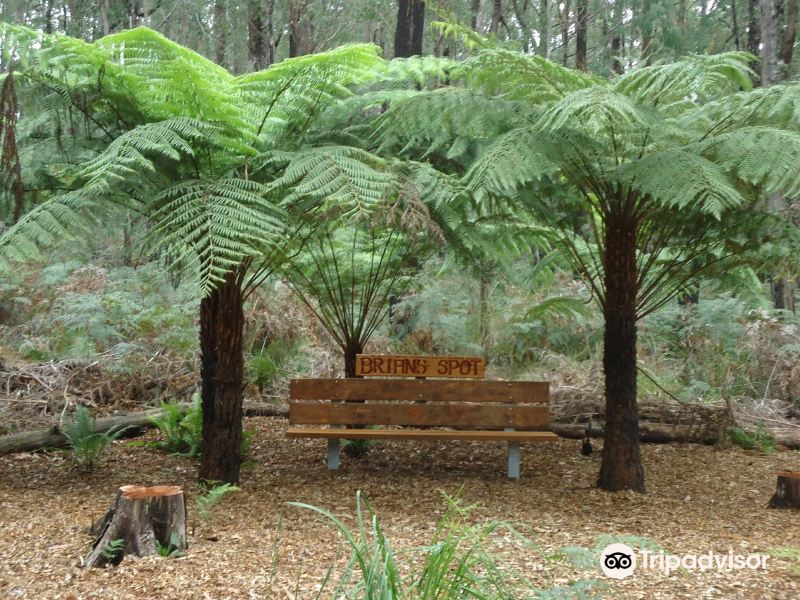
{"x": 462, "y": 560}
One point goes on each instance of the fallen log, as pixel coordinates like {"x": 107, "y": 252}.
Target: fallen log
{"x": 29, "y": 441}
{"x": 657, "y": 433}
{"x": 143, "y": 521}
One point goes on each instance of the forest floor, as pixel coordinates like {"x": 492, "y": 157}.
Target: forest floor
{"x": 699, "y": 499}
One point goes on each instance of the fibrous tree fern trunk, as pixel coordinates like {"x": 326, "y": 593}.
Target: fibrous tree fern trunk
{"x": 10, "y": 169}
{"x": 352, "y": 348}
{"x": 221, "y": 326}
{"x": 622, "y": 466}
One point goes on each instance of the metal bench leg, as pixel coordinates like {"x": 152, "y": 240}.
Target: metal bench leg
{"x": 513, "y": 460}
{"x": 333, "y": 454}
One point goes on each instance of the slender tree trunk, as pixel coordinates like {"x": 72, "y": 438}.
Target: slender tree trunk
{"x": 478, "y": 14}
{"x": 617, "y": 38}
{"x": 753, "y": 28}
{"x": 581, "y": 20}
{"x": 769, "y": 47}
{"x": 497, "y": 16}
{"x": 789, "y": 37}
{"x": 48, "y": 17}
{"x": 270, "y": 30}
{"x": 735, "y": 25}
{"x": 221, "y": 326}
{"x": 255, "y": 35}
{"x": 219, "y": 32}
{"x": 621, "y": 467}
{"x": 646, "y": 32}
{"x": 565, "y": 33}
{"x": 410, "y": 28}
{"x": 547, "y": 28}
{"x": 300, "y": 33}
{"x": 770, "y": 74}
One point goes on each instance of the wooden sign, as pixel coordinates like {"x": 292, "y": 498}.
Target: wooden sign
{"x": 384, "y": 365}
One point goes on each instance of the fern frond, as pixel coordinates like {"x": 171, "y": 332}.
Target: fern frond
{"x": 765, "y": 157}
{"x": 519, "y": 76}
{"x": 696, "y": 77}
{"x": 680, "y": 179}
{"x": 63, "y": 217}
{"x": 340, "y": 178}
{"x": 218, "y": 223}
{"x": 511, "y": 161}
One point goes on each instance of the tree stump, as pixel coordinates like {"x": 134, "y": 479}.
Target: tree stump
{"x": 143, "y": 521}
{"x": 787, "y": 494}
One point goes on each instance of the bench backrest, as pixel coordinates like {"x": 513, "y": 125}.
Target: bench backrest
{"x": 523, "y": 405}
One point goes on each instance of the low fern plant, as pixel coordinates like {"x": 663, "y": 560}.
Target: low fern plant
{"x": 172, "y": 549}
{"x": 182, "y": 431}
{"x": 114, "y": 551}
{"x": 211, "y": 494}
{"x": 752, "y": 440}
{"x": 86, "y": 444}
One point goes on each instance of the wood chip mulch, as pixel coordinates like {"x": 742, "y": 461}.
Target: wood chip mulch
{"x": 699, "y": 499}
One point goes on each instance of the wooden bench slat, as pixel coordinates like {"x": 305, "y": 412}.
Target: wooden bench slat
{"x": 430, "y": 390}
{"x": 530, "y": 416}
{"x": 423, "y": 434}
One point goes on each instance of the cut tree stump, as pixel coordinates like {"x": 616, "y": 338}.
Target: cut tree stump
{"x": 143, "y": 518}
{"x": 787, "y": 494}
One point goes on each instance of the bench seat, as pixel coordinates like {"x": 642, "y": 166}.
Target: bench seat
{"x": 520, "y": 437}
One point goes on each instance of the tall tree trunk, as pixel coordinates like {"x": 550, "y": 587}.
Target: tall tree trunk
{"x": 547, "y": 28}
{"x": 221, "y": 326}
{"x": 300, "y": 33}
{"x": 219, "y": 32}
{"x": 646, "y": 32}
{"x": 565, "y": 33}
{"x": 617, "y": 37}
{"x": 270, "y": 30}
{"x": 735, "y": 25}
{"x": 48, "y": 17}
{"x": 497, "y": 16}
{"x": 478, "y": 14}
{"x": 621, "y": 467}
{"x": 255, "y": 35}
{"x": 581, "y": 20}
{"x": 410, "y": 28}
{"x": 770, "y": 75}
{"x": 789, "y": 37}
{"x": 753, "y": 28}
{"x": 769, "y": 46}
{"x": 10, "y": 165}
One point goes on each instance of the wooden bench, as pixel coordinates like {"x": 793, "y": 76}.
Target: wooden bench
{"x": 516, "y": 412}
